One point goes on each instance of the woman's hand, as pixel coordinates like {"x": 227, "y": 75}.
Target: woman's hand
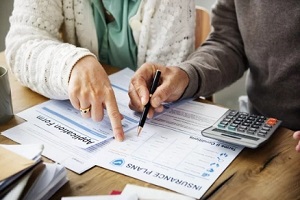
{"x": 90, "y": 89}
{"x": 172, "y": 84}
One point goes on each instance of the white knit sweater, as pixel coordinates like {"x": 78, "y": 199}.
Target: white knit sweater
{"x": 42, "y": 59}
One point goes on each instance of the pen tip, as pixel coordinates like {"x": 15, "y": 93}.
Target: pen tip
{"x": 139, "y": 130}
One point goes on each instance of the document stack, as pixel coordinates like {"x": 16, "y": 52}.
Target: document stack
{"x": 25, "y": 176}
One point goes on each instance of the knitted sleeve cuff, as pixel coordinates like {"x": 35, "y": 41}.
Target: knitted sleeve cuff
{"x": 70, "y": 62}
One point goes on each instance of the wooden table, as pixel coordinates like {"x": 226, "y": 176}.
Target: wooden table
{"x": 269, "y": 172}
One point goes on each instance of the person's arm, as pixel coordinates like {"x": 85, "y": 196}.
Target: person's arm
{"x": 35, "y": 51}
{"x": 90, "y": 89}
{"x": 44, "y": 63}
{"x": 221, "y": 59}
{"x": 172, "y": 83}
{"x": 217, "y": 63}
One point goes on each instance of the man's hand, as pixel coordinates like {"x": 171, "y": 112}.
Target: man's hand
{"x": 172, "y": 84}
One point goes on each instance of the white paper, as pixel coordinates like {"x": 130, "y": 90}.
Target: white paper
{"x": 64, "y": 122}
{"x": 68, "y": 138}
{"x": 103, "y": 197}
{"x": 51, "y": 178}
{"x": 170, "y": 151}
{"x": 135, "y": 192}
{"x": 70, "y": 156}
{"x": 32, "y": 151}
{"x": 145, "y": 193}
{"x": 16, "y": 192}
{"x": 49, "y": 181}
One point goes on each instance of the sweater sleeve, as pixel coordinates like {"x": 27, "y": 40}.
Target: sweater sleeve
{"x": 35, "y": 51}
{"x": 221, "y": 59}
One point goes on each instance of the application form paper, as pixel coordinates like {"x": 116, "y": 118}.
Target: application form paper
{"x": 68, "y": 138}
{"x": 170, "y": 151}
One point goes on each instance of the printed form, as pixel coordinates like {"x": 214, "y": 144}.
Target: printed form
{"x": 169, "y": 152}
{"x": 68, "y": 138}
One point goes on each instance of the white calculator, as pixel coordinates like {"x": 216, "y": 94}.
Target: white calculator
{"x": 242, "y": 128}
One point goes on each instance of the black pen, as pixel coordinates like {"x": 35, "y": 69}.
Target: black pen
{"x": 147, "y": 106}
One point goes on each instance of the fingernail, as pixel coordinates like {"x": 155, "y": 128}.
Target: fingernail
{"x": 144, "y": 101}
{"x": 119, "y": 137}
{"x": 149, "y": 116}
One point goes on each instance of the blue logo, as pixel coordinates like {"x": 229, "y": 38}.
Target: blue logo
{"x": 118, "y": 162}
{"x": 205, "y": 174}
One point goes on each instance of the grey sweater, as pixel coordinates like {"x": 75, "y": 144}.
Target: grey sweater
{"x": 260, "y": 35}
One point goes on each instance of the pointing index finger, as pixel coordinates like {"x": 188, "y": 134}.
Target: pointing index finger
{"x": 114, "y": 115}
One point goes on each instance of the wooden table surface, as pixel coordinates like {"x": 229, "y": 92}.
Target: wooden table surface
{"x": 268, "y": 172}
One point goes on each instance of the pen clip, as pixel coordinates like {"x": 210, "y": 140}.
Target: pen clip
{"x": 155, "y": 82}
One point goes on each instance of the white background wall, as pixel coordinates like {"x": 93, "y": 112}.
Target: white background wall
{"x": 205, "y": 3}
{"x": 5, "y": 12}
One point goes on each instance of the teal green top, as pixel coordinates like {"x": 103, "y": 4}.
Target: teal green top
{"x": 116, "y": 43}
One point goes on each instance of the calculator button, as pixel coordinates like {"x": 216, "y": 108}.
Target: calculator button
{"x": 237, "y": 121}
{"x": 252, "y": 117}
{"x": 243, "y": 114}
{"x": 221, "y": 125}
{"x": 265, "y": 128}
{"x": 233, "y": 113}
{"x": 229, "y": 117}
{"x": 248, "y": 121}
{"x": 243, "y": 127}
{"x": 250, "y": 132}
{"x": 252, "y": 129}
{"x": 263, "y": 132}
{"x": 246, "y": 124}
{"x": 226, "y": 120}
{"x": 232, "y": 127}
{"x": 261, "y": 120}
{"x": 255, "y": 126}
{"x": 241, "y": 130}
{"x": 271, "y": 121}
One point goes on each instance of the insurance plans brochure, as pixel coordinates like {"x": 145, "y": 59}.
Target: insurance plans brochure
{"x": 170, "y": 151}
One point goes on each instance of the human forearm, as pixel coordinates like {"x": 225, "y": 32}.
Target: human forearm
{"x": 44, "y": 66}
{"x": 221, "y": 59}
{"x": 35, "y": 51}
